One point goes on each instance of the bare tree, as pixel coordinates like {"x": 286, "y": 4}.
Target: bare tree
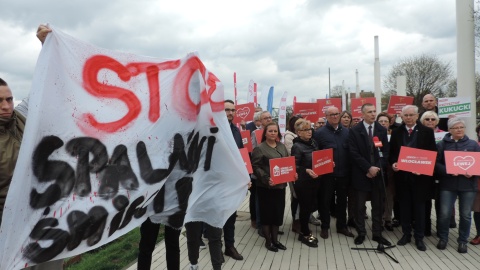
{"x": 336, "y": 91}
{"x": 426, "y": 74}
{"x": 452, "y": 89}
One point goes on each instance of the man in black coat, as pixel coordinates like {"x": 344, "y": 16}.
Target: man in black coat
{"x": 411, "y": 188}
{"x": 367, "y": 167}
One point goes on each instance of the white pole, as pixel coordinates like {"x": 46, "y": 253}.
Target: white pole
{"x": 344, "y": 101}
{"x": 466, "y": 60}
{"x": 401, "y": 85}
{"x": 378, "y": 90}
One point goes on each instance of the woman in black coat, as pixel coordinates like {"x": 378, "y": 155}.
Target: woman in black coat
{"x": 307, "y": 185}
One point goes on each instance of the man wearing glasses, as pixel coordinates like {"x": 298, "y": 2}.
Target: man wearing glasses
{"x": 411, "y": 188}
{"x": 333, "y": 135}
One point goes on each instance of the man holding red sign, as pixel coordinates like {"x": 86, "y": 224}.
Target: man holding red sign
{"x": 411, "y": 188}
{"x": 334, "y": 136}
{"x": 366, "y": 172}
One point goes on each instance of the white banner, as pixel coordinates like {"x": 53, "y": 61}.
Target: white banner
{"x": 458, "y": 106}
{"x": 251, "y": 92}
{"x": 111, "y": 139}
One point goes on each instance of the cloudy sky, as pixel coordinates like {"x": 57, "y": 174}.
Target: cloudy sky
{"x": 288, "y": 44}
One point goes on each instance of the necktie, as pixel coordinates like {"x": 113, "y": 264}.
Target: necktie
{"x": 410, "y": 131}
{"x": 370, "y": 131}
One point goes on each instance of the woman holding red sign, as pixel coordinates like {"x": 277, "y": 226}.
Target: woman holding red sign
{"x": 305, "y": 187}
{"x": 463, "y": 186}
{"x": 271, "y": 197}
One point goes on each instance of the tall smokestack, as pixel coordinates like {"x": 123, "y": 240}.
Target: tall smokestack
{"x": 376, "y": 74}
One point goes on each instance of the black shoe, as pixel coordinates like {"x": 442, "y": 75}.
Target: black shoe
{"x": 395, "y": 223}
{"x": 271, "y": 247}
{"x": 308, "y": 240}
{"x": 281, "y": 233}
{"x": 280, "y": 246}
{"x": 351, "y": 223}
{"x": 462, "y": 248}
{"x": 420, "y": 245}
{"x": 388, "y": 226}
{"x": 404, "y": 240}
{"x": 359, "y": 239}
{"x": 345, "y": 232}
{"x": 381, "y": 240}
{"x": 442, "y": 244}
{"x": 453, "y": 225}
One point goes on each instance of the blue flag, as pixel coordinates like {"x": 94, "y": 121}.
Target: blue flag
{"x": 270, "y": 100}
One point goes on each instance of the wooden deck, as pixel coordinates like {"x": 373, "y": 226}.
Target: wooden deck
{"x": 332, "y": 253}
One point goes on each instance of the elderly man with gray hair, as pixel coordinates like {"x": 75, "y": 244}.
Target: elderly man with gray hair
{"x": 463, "y": 186}
{"x": 411, "y": 188}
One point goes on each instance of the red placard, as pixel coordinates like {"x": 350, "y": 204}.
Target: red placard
{"x": 357, "y": 104}
{"x": 396, "y": 104}
{"x": 282, "y": 170}
{"x": 258, "y": 135}
{"x": 244, "y": 112}
{"x": 322, "y": 161}
{"x": 308, "y": 111}
{"x": 324, "y": 104}
{"x": 246, "y": 159}
{"x": 246, "y": 140}
{"x": 460, "y": 162}
{"x": 416, "y": 160}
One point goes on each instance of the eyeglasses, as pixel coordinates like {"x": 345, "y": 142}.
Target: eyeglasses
{"x": 410, "y": 115}
{"x": 334, "y": 114}
{"x": 383, "y": 121}
{"x": 230, "y": 110}
{"x": 430, "y": 119}
{"x": 457, "y": 128}
{"x": 307, "y": 129}
{"x": 267, "y": 118}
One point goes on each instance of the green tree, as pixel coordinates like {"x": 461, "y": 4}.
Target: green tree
{"x": 426, "y": 74}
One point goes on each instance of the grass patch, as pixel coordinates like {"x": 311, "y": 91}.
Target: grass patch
{"x": 113, "y": 256}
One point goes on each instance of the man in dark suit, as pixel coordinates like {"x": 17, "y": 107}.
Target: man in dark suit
{"x": 411, "y": 188}
{"x": 256, "y": 123}
{"x": 367, "y": 166}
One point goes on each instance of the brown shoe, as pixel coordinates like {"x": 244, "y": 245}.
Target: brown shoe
{"x": 232, "y": 252}
{"x": 296, "y": 226}
{"x": 475, "y": 241}
{"x": 345, "y": 232}
{"x": 324, "y": 233}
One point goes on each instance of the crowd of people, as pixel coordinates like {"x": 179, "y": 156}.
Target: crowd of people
{"x": 363, "y": 171}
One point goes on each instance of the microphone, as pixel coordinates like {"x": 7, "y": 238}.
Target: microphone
{"x": 377, "y": 143}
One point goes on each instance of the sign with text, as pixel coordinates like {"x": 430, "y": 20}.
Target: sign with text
{"x": 396, "y": 104}
{"x": 308, "y": 111}
{"x": 357, "y": 103}
{"x": 416, "y": 160}
{"x": 282, "y": 170}
{"x": 112, "y": 139}
{"x": 246, "y": 140}
{"x": 458, "y": 106}
{"x": 461, "y": 162}
{"x": 246, "y": 159}
{"x": 324, "y": 104}
{"x": 322, "y": 161}
{"x": 244, "y": 112}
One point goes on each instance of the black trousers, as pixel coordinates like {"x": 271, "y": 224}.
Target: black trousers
{"x": 306, "y": 191}
{"x": 330, "y": 185}
{"x": 410, "y": 207}
{"x": 229, "y": 231}
{"x": 214, "y": 235}
{"x": 378, "y": 199}
{"x": 148, "y": 238}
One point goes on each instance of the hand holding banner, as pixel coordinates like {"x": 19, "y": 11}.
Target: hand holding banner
{"x": 416, "y": 160}
{"x": 282, "y": 170}
{"x": 460, "y": 162}
{"x": 322, "y": 161}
